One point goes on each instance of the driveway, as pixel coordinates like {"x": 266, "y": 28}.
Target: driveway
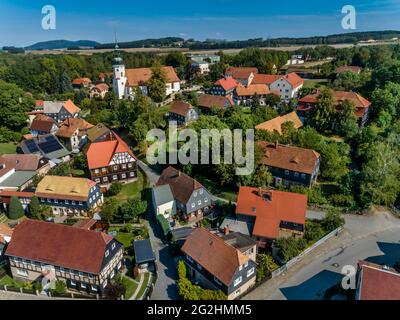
{"x": 373, "y": 237}
{"x": 165, "y": 287}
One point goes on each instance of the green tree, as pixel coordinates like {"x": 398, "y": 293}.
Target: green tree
{"x": 15, "y": 210}
{"x": 332, "y": 220}
{"x": 157, "y": 83}
{"x": 321, "y": 116}
{"x": 37, "y": 210}
{"x": 265, "y": 265}
{"x": 109, "y": 209}
{"x": 114, "y": 189}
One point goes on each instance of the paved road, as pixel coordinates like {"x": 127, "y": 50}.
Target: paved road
{"x": 374, "y": 237}
{"x": 165, "y": 287}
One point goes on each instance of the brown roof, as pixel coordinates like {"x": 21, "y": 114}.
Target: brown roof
{"x": 270, "y": 208}
{"x": 343, "y": 69}
{"x": 70, "y": 125}
{"x": 360, "y": 102}
{"x": 81, "y": 81}
{"x": 241, "y": 72}
{"x": 180, "y": 107}
{"x": 101, "y": 87}
{"x": 5, "y": 230}
{"x": 140, "y": 76}
{"x": 22, "y": 162}
{"x": 289, "y": 157}
{"x": 276, "y": 123}
{"x": 182, "y": 186}
{"x": 265, "y": 78}
{"x": 42, "y": 123}
{"x": 253, "y": 89}
{"x": 59, "y": 245}
{"x": 214, "y": 254}
{"x": 85, "y": 224}
{"x": 18, "y": 194}
{"x": 71, "y": 107}
{"x": 209, "y": 101}
{"x": 378, "y": 282}
{"x": 97, "y": 131}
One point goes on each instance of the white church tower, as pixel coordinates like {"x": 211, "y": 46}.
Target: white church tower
{"x": 119, "y": 77}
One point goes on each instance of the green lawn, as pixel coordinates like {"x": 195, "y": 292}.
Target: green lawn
{"x": 318, "y": 83}
{"x": 6, "y": 148}
{"x": 144, "y": 285}
{"x": 134, "y": 189}
{"x": 125, "y": 238}
{"x": 130, "y": 285}
{"x": 217, "y": 190}
{"x": 78, "y": 173}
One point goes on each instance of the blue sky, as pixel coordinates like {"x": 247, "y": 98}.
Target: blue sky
{"x": 20, "y": 20}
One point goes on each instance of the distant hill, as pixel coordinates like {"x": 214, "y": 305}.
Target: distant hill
{"x": 62, "y": 44}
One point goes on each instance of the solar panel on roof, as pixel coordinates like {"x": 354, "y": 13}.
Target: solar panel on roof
{"x": 31, "y": 145}
{"x": 50, "y": 144}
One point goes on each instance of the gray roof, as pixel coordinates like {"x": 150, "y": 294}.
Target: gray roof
{"x": 18, "y": 178}
{"x": 162, "y": 194}
{"x": 240, "y": 224}
{"x": 239, "y": 240}
{"x": 143, "y": 251}
{"x": 52, "y": 106}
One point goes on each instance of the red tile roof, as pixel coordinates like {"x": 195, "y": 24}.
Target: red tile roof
{"x": 377, "y": 282}
{"x": 289, "y": 157}
{"x": 18, "y": 194}
{"x": 343, "y": 69}
{"x": 100, "y": 154}
{"x": 180, "y": 107}
{"x": 251, "y": 90}
{"x": 280, "y": 206}
{"x": 80, "y": 81}
{"x": 59, "y": 245}
{"x": 182, "y": 186}
{"x": 241, "y": 72}
{"x": 360, "y": 102}
{"x": 70, "y": 125}
{"x": 294, "y": 80}
{"x": 22, "y": 162}
{"x": 39, "y": 103}
{"x": 140, "y": 76}
{"x": 265, "y": 79}
{"x": 42, "y": 123}
{"x": 209, "y": 101}
{"x": 102, "y": 87}
{"x": 71, "y": 107}
{"x": 214, "y": 254}
{"x": 227, "y": 83}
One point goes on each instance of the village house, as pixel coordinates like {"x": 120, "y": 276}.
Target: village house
{"x": 216, "y": 265}
{"x": 48, "y": 146}
{"x": 362, "y": 105}
{"x": 5, "y": 237}
{"x": 344, "y": 69}
{"x": 267, "y": 215}
{"x": 193, "y": 201}
{"x": 42, "y": 124}
{"x": 126, "y": 80}
{"x": 73, "y": 133}
{"x": 377, "y": 282}
{"x": 246, "y": 95}
{"x": 85, "y": 260}
{"x": 18, "y": 170}
{"x": 182, "y": 113}
{"x": 275, "y": 125}
{"x": 291, "y": 165}
{"x": 81, "y": 83}
{"x": 60, "y": 110}
{"x": 99, "y": 133}
{"x": 288, "y": 86}
{"x": 98, "y": 91}
{"x": 242, "y": 75}
{"x": 145, "y": 258}
{"x": 163, "y": 201}
{"x": 111, "y": 161}
{"x": 208, "y": 102}
{"x": 242, "y": 242}
{"x": 24, "y": 198}
{"x": 69, "y": 195}
{"x": 224, "y": 87}
{"x": 266, "y": 79}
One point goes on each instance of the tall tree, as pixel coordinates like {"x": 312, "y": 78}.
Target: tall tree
{"x": 157, "y": 83}
{"x": 321, "y": 116}
{"x": 15, "y": 210}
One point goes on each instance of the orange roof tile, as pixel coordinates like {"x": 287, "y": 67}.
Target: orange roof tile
{"x": 294, "y": 79}
{"x": 70, "y": 125}
{"x": 265, "y": 78}
{"x": 100, "y": 154}
{"x": 81, "y": 81}
{"x": 276, "y": 123}
{"x": 71, "y": 107}
{"x": 180, "y": 107}
{"x": 251, "y": 90}
{"x": 227, "y": 83}
{"x": 270, "y": 208}
{"x": 140, "y": 76}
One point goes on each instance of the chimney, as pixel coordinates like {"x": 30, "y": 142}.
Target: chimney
{"x": 226, "y": 230}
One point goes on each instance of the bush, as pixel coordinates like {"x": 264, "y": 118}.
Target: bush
{"x": 341, "y": 200}
{"x": 114, "y": 189}
{"x": 314, "y": 231}
{"x": 60, "y": 287}
{"x": 332, "y": 220}
{"x": 265, "y": 265}
{"x": 15, "y": 210}
{"x": 289, "y": 248}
